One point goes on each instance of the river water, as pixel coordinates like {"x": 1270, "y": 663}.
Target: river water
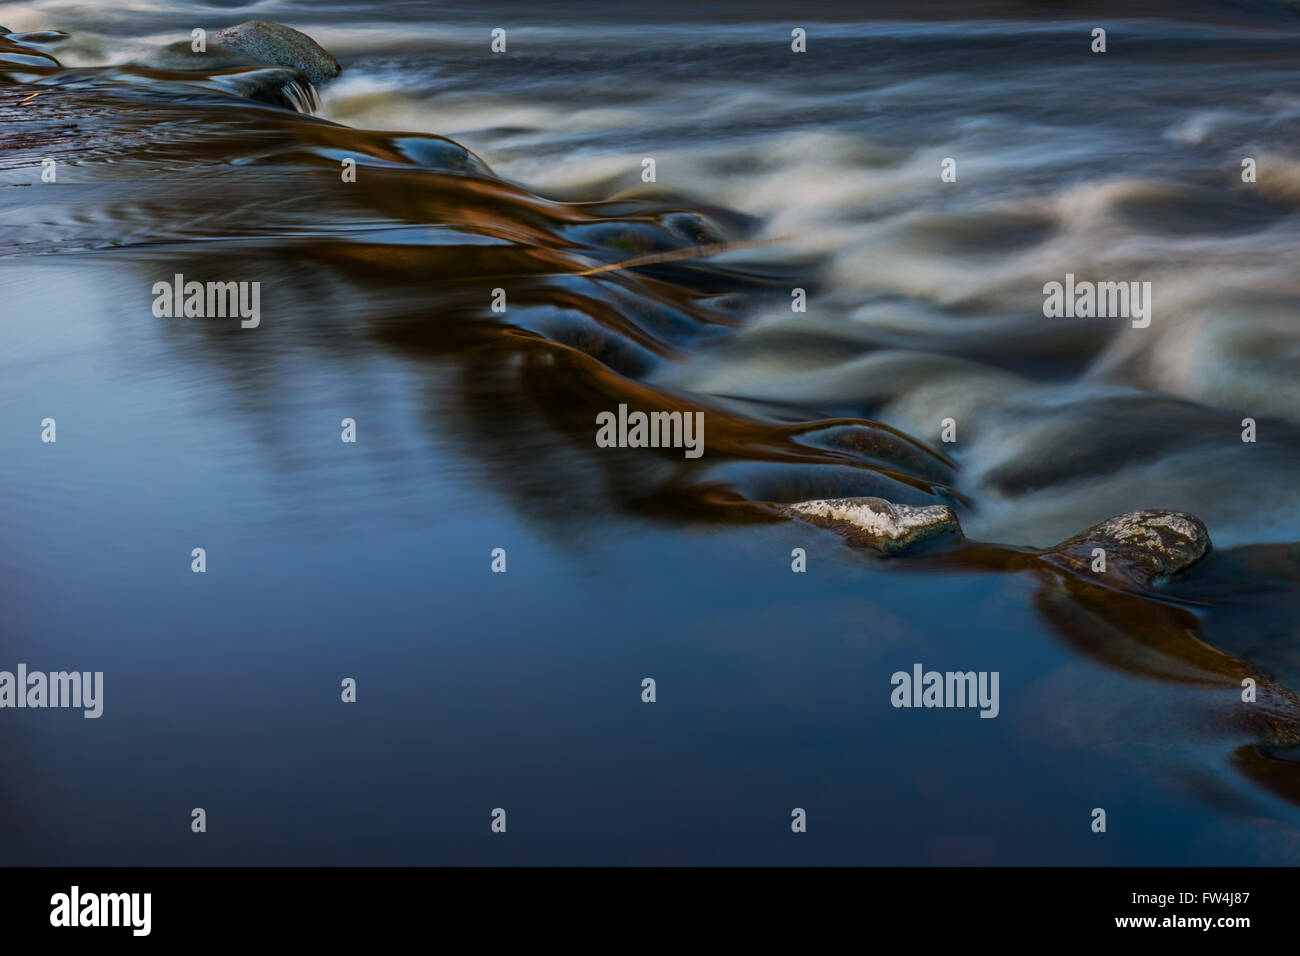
{"x": 524, "y": 171}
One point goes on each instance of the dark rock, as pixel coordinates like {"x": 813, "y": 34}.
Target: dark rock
{"x": 278, "y": 86}
{"x": 259, "y": 41}
{"x": 694, "y": 228}
{"x": 438, "y": 152}
{"x": 43, "y": 36}
{"x": 877, "y": 523}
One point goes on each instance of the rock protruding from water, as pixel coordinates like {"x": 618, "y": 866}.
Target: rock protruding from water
{"x": 880, "y": 524}
{"x": 260, "y": 41}
{"x": 1140, "y": 547}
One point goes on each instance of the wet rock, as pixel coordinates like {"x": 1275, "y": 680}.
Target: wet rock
{"x": 873, "y": 443}
{"x": 278, "y": 86}
{"x": 14, "y": 53}
{"x": 438, "y": 152}
{"x": 694, "y": 228}
{"x": 877, "y": 523}
{"x": 274, "y": 44}
{"x": 1141, "y": 547}
{"x": 27, "y": 58}
{"x": 42, "y": 36}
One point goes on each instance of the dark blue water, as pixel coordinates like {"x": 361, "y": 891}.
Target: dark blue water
{"x": 522, "y": 690}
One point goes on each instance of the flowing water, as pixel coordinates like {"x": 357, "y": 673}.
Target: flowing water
{"x": 523, "y": 172}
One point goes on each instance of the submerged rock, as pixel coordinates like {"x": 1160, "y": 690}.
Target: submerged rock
{"x": 260, "y": 41}
{"x": 42, "y": 36}
{"x": 12, "y": 57}
{"x": 278, "y": 86}
{"x": 15, "y": 52}
{"x": 881, "y": 524}
{"x": 1141, "y": 547}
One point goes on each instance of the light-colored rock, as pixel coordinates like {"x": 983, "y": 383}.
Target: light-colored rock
{"x": 1142, "y": 547}
{"x": 881, "y": 524}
